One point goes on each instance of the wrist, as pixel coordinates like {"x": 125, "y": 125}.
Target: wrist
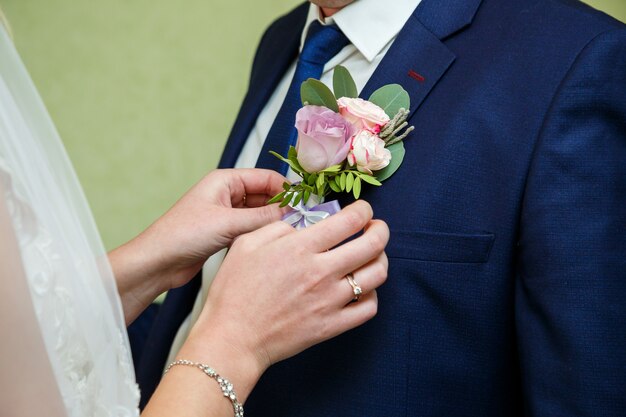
{"x": 174, "y": 254}
{"x": 212, "y": 346}
{"x": 138, "y": 279}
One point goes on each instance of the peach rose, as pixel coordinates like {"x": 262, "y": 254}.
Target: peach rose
{"x": 362, "y": 114}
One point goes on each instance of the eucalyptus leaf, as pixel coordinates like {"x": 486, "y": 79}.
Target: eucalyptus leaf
{"x": 342, "y": 181}
{"x": 391, "y": 98}
{"x": 397, "y": 156}
{"x": 315, "y": 93}
{"x": 349, "y": 181}
{"x": 343, "y": 83}
{"x": 356, "y": 188}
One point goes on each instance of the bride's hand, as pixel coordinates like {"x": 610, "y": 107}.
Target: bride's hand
{"x": 222, "y": 206}
{"x": 280, "y": 291}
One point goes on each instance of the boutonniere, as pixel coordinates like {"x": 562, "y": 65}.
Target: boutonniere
{"x": 343, "y": 143}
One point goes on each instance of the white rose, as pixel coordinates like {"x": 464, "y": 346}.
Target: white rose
{"x": 368, "y": 152}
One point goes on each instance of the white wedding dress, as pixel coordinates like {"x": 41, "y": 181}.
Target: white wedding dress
{"x": 64, "y": 349}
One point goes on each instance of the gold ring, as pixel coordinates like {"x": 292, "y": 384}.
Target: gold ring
{"x": 356, "y": 289}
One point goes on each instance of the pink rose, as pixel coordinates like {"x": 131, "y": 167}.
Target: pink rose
{"x": 368, "y": 152}
{"x": 323, "y": 138}
{"x": 363, "y": 114}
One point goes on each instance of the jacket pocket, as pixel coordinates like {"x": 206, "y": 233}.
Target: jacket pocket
{"x": 440, "y": 247}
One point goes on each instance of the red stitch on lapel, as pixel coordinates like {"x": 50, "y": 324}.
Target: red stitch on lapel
{"x": 416, "y": 76}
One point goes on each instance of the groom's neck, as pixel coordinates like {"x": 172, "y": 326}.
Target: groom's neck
{"x": 329, "y": 11}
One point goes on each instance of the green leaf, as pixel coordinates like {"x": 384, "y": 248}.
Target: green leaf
{"x": 369, "y": 179}
{"x": 297, "y": 199}
{"x": 293, "y": 157}
{"x": 307, "y": 194}
{"x": 286, "y": 186}
{"x": 343, "y": 83}
{"x": 294, "y": 165}
{"x": 315, "y": 93}
{"x": 287, "y": 199}
{"x": 279, "y": 156}
{"x": 276, "y": 198}
{"x": 292, "y": 154}
{"x": 333, "y": 186}
{"x": 321, "y": 189}
{"x": 391, "y": 98}
{"x": 331, "y": 169}
{"x": 397, "y": 156}
{"x": 356, "y": 188}
{"x": 349, "y": 181}
{"x": 338, "y": 181}
{"x": 320, "y": 180}
{"x": 311, "y": 179}
{"x": 342, "y": 181}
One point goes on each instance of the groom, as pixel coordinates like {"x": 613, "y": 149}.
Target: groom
{"x": 507, "y": 278}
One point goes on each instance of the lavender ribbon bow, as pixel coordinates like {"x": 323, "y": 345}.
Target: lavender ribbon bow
{"x": 302, "y": 216}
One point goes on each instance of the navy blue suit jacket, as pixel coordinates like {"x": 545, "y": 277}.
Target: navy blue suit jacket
{"x": 507, "y": 277}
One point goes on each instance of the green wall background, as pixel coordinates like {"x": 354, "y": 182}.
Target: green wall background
{"x": 144, "y": 92}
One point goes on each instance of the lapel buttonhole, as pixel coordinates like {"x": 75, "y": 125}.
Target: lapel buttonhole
{"x": 416, "y": 76}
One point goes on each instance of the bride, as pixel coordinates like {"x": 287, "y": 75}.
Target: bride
{"x": 65, "y": 302}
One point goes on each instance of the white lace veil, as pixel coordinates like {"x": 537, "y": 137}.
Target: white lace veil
{"x": 72, "y": 289}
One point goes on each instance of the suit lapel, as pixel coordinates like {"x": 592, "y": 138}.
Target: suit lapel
{"x": 417, "y": 61}
{"x": 443, "y": 18}
{"x": 277, "y": 51}
{"x": 418, "y": 58}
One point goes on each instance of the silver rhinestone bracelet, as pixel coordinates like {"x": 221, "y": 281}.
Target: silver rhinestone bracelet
{"x": 225, "y": 385}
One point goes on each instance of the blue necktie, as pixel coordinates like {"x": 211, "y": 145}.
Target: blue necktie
{"x": 322, "y": 43}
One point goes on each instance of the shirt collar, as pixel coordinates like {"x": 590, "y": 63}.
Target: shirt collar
{"x": 369, "y": 24}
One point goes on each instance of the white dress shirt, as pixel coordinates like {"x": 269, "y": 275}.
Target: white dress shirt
{"x": 371, "y": 26}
